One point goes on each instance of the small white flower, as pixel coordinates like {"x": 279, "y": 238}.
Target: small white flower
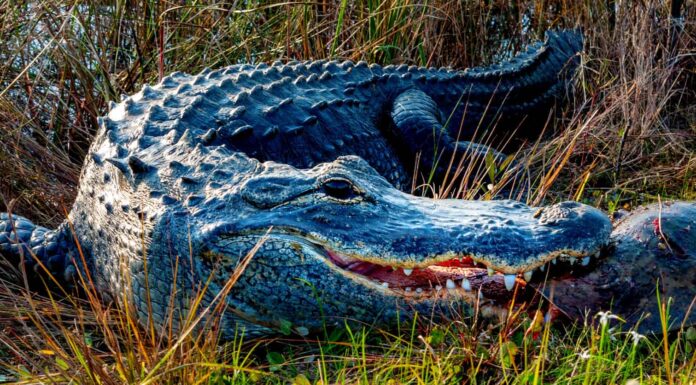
{"x": 636, "y": 337}
{"x": 584, "y": 355}
{"x": 605, "y": 316}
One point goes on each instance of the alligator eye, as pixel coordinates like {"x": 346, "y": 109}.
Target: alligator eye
{"x": 340, "y": 188}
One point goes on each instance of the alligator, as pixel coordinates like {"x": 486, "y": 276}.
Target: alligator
{"x": 280, "y": 194}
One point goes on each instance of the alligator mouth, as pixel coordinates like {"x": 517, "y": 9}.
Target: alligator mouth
{"x": 435, "y": 278}
{"x": 457, "y": 276}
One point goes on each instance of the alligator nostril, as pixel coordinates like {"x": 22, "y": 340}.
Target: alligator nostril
{"x": 554, "y": 214}
{"x": 569, "y": 204}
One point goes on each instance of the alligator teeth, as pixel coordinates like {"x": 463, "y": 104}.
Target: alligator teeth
{"x": 542, "y": 268}
{"x": 510, "y": 281}
{"x": 419, "y": 290}
{"x": 408, "y": 289}
{"x": 491, "y": 272}
{"x": 554, "y": 261}
{"x": 572, "y": 260}
{"x": 450, "y": 284}
{"x": 527, "y": 275}
{"x": 438, "y": 287}
{"x": 408, "y": 272}
{"x": 385, "y": 285}
{"x": 466, "y": 285}
{"x": 586, "y": 261}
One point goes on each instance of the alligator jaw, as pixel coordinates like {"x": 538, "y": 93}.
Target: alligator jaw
{"x": 457, "y": 275}
{"x": 435, "y": 277}
{"x": 457, "y": 278}
{"x": 442, "y": 276}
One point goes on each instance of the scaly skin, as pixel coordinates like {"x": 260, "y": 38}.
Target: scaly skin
{"x": 185, "y": 177}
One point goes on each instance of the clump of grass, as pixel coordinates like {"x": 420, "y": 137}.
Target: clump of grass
{"x": 630, "y": 137}
{"x": 62, "y": 338}
{"x": 82, "y": 341}
{"x": 68, "y": 340}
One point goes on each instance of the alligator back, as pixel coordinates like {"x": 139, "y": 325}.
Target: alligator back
{"x": 305, "y": 113}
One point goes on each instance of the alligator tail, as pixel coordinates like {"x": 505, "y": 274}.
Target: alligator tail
{"x": 38, "y": 249}
{"x": 551, "y": 70}
{"x": 528, "y": 85}
{"x": 541, "y": 69}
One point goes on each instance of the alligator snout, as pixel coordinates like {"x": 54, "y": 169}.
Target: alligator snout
{"x": 504, "y": 235}
{"x": 383, "y": 225}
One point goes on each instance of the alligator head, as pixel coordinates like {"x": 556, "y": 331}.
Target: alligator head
{"x": 338, "y": 241}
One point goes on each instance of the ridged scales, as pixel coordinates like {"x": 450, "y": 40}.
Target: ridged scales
{"x": 305, "y": 113}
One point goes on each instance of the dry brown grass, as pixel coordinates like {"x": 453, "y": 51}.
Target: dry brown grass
{"x": 632, "y": 135}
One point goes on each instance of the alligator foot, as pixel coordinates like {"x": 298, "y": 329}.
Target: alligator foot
{"x": 36, "y": 250}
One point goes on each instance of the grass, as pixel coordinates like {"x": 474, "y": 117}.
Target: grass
{"x": 629, "y": 138}
{"x": 79, "y": 341}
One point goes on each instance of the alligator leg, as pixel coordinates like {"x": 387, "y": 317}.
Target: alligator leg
{"x": 418, "y": 128}
{"x": 38, "y": 249}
